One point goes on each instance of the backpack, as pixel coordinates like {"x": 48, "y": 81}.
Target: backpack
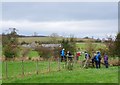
{"x": 61, "y": 52}
{"x": 89, "y": 56}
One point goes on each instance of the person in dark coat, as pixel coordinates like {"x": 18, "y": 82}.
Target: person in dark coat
{"x": 69, "y": 55}
{"x": 93, "y": 60}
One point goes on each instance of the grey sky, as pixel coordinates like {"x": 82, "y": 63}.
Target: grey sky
{"x": 59, "y": 11}
{"x": 64, "y": 18}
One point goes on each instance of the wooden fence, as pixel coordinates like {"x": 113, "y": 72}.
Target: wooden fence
{"x": 22, "y": 68}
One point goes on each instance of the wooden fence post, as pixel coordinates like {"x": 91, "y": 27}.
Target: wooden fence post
{"x": 22, "y": 68}
{"x": 6, "y": 69}
{"x": 37, "y": 67}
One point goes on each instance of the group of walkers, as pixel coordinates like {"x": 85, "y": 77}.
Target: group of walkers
{"x": 64, "y": 55}
{"x": 95, "y": 59}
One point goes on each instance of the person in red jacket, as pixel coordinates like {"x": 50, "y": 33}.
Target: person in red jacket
{"x": 78, "y": 54}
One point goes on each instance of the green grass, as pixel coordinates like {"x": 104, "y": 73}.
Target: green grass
{"x": 78, "y": 75}
{"x": 83, "y": 45}
{"x": 15, "y": 67}
{"x": 0, "y": 73}
{"x": 33, "y": 54}
{"x": 0, "y": 63}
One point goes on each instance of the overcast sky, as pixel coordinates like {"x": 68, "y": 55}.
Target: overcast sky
{"x": 97, "y": 19}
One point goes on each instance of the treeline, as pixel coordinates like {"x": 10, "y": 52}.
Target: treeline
{"x": 11, "y": 45}
{"x": 25, "y": 35}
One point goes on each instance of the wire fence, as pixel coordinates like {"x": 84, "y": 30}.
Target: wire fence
{"x": 13, "y": 69}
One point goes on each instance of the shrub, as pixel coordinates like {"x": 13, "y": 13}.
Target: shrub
{"x": 117, "y": 45}
{"x": 44, "y": 52}
{"x": 10, "y": 44}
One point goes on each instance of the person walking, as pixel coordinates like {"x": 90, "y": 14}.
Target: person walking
{"x": 106, "y": 60}
{"x": 78, "y": 54}
{"x": 87, "y": 57}
{"x": 62, "y": 53}
{"x": 93, "y": 60}
{"x": 98, "y": 60}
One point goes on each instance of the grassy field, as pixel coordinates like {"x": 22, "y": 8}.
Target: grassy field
{"x": 0, "y": 63}
{"x": 77, "y": 75}
{"x": 84, "y": 45}
{"x": 0, "y": 72}
{"x": 15, "y": 67}
{"x": 32, "y": 54}
{"x": 33, "y": 39}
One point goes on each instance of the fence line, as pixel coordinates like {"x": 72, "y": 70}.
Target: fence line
{"x": 49, "y": 67}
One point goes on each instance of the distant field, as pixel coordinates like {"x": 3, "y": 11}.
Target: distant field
{"x": 83, "y": 45}
{"x": 32, "y": 39}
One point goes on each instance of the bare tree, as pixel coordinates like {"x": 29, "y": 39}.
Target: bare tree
{"x": 110, "y": 46}
{"x": 54, "y": 37}
{"x": 90, "y": 47}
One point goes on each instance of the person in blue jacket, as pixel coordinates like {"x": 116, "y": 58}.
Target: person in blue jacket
{"x": 62, "y": 53}
{"x": 98, "y": 60}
